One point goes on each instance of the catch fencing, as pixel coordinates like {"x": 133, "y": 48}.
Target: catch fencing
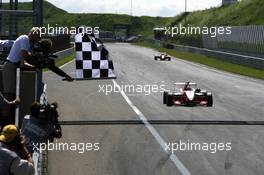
{"x": 246, "y": 39}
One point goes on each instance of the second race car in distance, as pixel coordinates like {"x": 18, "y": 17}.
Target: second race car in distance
{"x": 162, "y": 57}
{"x": 188, "y": 95}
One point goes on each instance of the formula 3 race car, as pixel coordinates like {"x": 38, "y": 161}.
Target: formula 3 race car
{"x": 162, "y": 57}
{"x": 188, "y": 95}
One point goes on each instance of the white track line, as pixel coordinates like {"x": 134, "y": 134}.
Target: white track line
{"x": 67, "y": 63}
{"x": 153, "y": 131}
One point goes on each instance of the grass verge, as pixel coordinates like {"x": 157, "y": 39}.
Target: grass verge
{"x": 61, "y": 61}
{"x": 209, "y": 61}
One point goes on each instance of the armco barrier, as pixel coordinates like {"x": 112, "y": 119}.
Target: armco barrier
{"x": 65, "y": 52}
{"x": 250, "y": 61}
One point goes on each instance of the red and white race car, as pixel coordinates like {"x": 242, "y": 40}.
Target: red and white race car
{"x": 162, "y": 57}
{"x": 188, "y": 95}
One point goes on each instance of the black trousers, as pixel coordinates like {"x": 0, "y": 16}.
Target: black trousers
{"x": 51, "y": 66}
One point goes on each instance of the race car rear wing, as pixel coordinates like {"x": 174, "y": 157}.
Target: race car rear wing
{"x": 191, "y": 83}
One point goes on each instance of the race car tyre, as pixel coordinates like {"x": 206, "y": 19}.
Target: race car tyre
{"x": 155, "y": 58}
{"x": 165, "y": 97}
{"x": 210, "y": 100}
{"x": 169, "y": 59}
{"x": 169, "y": 101}
{"x": 197, "y": 90}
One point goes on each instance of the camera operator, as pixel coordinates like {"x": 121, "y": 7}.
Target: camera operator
{"x": 41, "y": 125}
{"x": 42, "y": 58}
{"x": 12, "y": 143}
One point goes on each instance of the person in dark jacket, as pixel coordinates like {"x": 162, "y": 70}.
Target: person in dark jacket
{"x": 42, "y": 58}
{"x": 41, "y": 125}
{"x": 20, "y": 51}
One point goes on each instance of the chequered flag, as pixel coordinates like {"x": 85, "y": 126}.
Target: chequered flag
{"x": 92, "y": 62}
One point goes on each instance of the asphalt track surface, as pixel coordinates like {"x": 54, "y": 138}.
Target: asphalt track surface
{"x": 138, "y": 149}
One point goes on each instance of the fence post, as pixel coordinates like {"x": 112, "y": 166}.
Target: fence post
{"x": 17, "y": 95}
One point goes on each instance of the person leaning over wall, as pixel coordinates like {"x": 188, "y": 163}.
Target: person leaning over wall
{"x": 11, "y": 163}
{"x": 20, "y": 51}
{"x": 42, "y": 58}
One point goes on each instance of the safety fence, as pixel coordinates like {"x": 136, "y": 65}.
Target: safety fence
{"x": 246, "y": 39}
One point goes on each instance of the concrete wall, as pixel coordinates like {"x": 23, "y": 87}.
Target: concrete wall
{"x": 31, "y": 88}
